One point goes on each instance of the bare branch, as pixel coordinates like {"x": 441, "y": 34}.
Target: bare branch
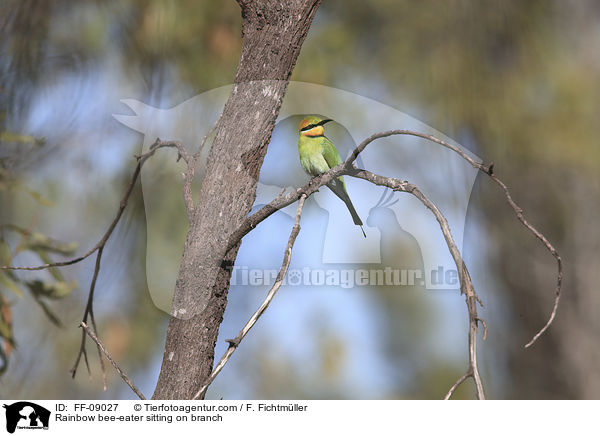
{"x": 458, "y": 382}
{"x": 234, "y": 343}
{"x": 489, "y": 170}
{"x": 122, "y": 204}
{"x": 283, "y": 200}
{"x": 181, "y": 151}
{"x": 466, "y": 285}
{"x": 99, "y": 247}
{"x": 484, "y": 327}
{"x": 188, "y": 176}
{"x": 547, "y": 244}
{"x": 101, "y": 347}
{"x": 348, "y": 167}
{"x": 89, "y": 310}
{"x": 201, "y": 147}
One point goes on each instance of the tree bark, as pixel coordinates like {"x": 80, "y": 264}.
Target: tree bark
{"x": 272, "y": 35}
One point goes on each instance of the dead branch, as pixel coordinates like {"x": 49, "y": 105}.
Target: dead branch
{"x": 99, "y": 247}
{"x": 89, "y": 310}
{"x": 101, "y": 347}
{"x": 466, "y": 285}
{"x": 234, "y": 343}
{"x": 188, "y": 176}
{"x": 347, "y": 167}
{"x": 302, "y": 193}
{"x": 122, "y": 204}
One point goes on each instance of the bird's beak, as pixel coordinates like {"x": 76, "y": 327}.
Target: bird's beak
{"x": 324, "y": 122}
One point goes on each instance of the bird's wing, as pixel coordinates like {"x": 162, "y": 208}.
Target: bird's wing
{"x": 332, "y": 157}
{"x": 330, "y": 153}
{"x": 314, "y": 164}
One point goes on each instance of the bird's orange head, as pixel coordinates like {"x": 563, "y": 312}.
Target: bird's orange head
{"x": 313, "y": 126}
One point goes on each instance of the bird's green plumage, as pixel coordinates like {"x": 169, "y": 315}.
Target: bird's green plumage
{"x": 318, "y": 155}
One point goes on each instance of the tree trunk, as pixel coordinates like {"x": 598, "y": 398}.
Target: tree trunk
{"x": 272, "y": 34}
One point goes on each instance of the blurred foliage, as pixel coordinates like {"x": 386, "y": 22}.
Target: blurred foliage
{"x": 41, "y": 246}
{"x": 517, "y": 82}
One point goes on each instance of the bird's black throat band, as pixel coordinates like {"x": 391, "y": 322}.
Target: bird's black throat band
{"x": 312, "y": 126}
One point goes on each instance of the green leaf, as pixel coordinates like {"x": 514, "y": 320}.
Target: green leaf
{"x": 40, "y": 289}
{"x": 51, "y": 315}
{"x": 19, "y": 138}
{"x": 5, "y": 255}
{"x": 39, "y": 241}
{"x": 6, "y": 282}
{"x": 52, "y": 290}
{"x": 5, "y": 331}
{"x": 39, "y": 197}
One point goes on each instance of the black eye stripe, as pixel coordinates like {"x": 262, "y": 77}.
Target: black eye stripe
{"x": 312, "y": 126}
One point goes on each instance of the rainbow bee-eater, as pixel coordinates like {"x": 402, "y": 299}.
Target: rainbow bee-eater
{"x": 318, "y": 155}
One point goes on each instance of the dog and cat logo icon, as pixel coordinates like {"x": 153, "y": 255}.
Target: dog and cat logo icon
{"x": 26, "y": 415}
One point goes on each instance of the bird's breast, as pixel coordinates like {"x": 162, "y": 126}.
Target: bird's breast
{"x": 311, "y": 155}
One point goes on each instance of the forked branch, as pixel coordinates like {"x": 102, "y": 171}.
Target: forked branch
{"x": 301, "y": 194}
{"x": 347, "y": 167}
{"x": 99, "y": 247}
{"x": 234, "y": 343}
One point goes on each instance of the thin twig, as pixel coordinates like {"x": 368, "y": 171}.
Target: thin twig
{"x": 122, "y": 204}
{"x": 347, "y": 167}
{"x": 466, "y": 285}
{"x": 99, "y": 248}
{"x": 462, "y": 378}
{"x": 473, "y": 366}
{"x": 102, "y": 367}
{"x": 547, "y": 244}
{"x": 188, "y": 176}
{"x": 212, "y": 129}
{"x": 101, "y": 347}
{"x": 190, "y": 162}
{"x": 89, "y": 310}
{"x": 234, "y": 343}
{"x": 484, "y": 327}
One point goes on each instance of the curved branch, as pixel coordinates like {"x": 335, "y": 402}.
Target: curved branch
{"x": 122, "y": 205}
{"x": 99, "y": 247}
{"x": 519, "y": 213}
{"x": 456, "y": 384}
{"x": 466, "y": 285}
{"x": 283, "y": 200}
{"x": 347, "y": 167}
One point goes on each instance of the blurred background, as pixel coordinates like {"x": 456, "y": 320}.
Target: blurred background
{"x": 514, "y": 82}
